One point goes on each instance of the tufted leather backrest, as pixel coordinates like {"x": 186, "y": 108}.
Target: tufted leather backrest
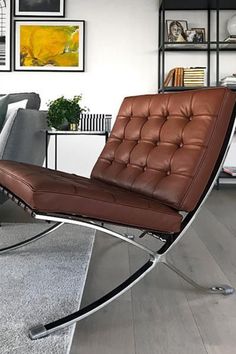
{"x": 166, "y": 145}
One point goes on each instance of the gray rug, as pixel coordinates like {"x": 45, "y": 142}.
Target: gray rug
{"x": 41, "y": 282}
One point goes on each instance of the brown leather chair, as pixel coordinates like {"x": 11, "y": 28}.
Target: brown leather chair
{"x": 162, "y": 159}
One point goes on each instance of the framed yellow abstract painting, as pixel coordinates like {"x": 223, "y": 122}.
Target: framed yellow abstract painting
{"x": 49, "y": 45}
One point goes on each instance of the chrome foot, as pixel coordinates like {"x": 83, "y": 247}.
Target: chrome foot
{"x": 38, "y": 332}
{"x": 221, "y": 289}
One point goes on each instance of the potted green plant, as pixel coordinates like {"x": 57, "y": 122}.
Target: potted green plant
{"x": 65, "y": 113}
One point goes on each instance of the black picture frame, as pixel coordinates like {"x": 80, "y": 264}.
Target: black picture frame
{"x": 5, "y": 36}
{"x": 39, "y": 8}
{"x": 33, "y": 50}
{"x": 200, "y": 35}
{"x": 180, "y": 27}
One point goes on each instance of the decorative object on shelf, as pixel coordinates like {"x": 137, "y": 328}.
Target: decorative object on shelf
{"x": 40, "y": 8}
{"x": 229, "y": 81}
{"x": 176, "y": 30}
{"x": 65, "y": 113}
{"x": 199, "y": 36}
{"x": 231, "y": 26}
{"x": 190, "y": 34}
{"x": 49, "y": 45}
{"x": 230, "y": 39}
{"x": 95, "y": 122}
{"x": 73, "y": 127}
{"x": 5, "y": 35}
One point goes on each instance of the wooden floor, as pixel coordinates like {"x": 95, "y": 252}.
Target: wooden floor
{"x": 163, "y": 314}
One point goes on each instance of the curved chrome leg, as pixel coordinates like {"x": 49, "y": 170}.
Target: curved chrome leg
{"x": 221, "y": 289}
{"x": 32, "y": 239}
{"x": 44, "y": 330}
{"x": 94, "y": 226}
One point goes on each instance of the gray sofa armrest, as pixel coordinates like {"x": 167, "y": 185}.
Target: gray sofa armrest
{"x": 22, "y": 137}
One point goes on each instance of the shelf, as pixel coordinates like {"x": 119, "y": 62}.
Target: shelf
{"x": 186, "y": 88}
{"x": 181, "y": 88}
{"x": 76, "y": 132}
{"x": 198, "y": 5}
{"x": 188, "y": 46}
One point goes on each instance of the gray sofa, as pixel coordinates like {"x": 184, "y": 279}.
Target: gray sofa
{"x": 22, "y": 137}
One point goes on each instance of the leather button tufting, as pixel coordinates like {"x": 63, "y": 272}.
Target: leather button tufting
{"x": 181, "y": 145}
{"x": 168, "y": 173}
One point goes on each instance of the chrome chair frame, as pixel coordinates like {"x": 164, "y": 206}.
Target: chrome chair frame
{"x": 155, "y": 256}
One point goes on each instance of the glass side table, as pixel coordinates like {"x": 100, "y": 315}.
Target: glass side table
{"x": 57, "y": 133}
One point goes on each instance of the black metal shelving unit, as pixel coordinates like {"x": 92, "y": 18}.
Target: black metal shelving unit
{"x": 208, "y": 46}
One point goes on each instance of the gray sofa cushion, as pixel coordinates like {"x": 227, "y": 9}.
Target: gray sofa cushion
{"x": 32, "y": 97}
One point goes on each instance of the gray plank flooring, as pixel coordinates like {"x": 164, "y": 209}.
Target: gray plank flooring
{"x": 163, "y": 314}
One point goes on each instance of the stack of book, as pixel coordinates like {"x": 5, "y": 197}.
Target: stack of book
{"x": 194, "y": 76}
{"x": 229, "y": 81}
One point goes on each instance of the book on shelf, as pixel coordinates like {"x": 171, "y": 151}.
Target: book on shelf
{"x": 231, "y": 170}
{"x": 169, "y": 78}
{"x": 178, "y": 77}
{"x": 174, "y": 77}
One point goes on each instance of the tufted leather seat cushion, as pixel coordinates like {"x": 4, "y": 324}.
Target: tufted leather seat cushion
{"x": 52, "y": 191}
{"x": 166, "y": 146}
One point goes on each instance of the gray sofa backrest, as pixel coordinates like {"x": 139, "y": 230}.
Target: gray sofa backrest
{"x": 32, "y": 97}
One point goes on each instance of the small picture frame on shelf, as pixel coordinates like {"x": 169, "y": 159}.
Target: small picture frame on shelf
{"x": 199, "y": 36}
{"x": 5, "y": 36}
{"x": 40, "y": 8}
{"x": 190, "y": 34}
{"x": 49, "y": 45}
{"x": 176, "y": 30}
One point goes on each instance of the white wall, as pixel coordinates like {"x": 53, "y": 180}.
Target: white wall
{"x": 120, "y": 60}
{"x": 121, "y": 56}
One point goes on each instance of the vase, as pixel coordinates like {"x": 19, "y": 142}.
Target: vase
{"x": 231, "y": 26}
{"x": 73, "y": 126}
